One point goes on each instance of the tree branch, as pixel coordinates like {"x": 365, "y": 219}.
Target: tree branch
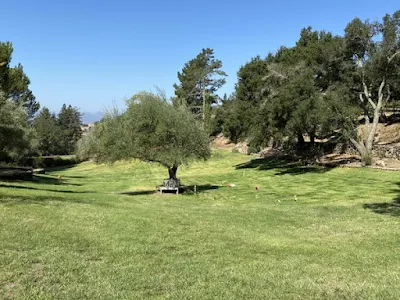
{"x": 388, "y": 94}
{"x": 393, "y": 56}
{"x": 367, "y": 94}
{"x": 359, "y": 146}
{"x": 157, "y": 161}
{"x": 380, "y": 95}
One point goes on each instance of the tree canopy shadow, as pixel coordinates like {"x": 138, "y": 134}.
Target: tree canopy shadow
{"x": 44, "y": 200}
{"x": 42, "y": 179}
{"x": 386, "y": 208}
{"x": 48, "y": 179}
{"x": 61, "y": 168}
{"x": 74, "y": 176}
{"x": 41, "y": 189}
{"x": 283, "y": 165}
{"x": 200, "y": 188}
{"x": 140, "y": 193}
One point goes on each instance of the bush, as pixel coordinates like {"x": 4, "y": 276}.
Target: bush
{"x": 253, "y": 149}
{"x": 85, "y": 147}
{"x": 50, "y": 161}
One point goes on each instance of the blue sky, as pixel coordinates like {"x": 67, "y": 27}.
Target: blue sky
{"x": 93, "y": 53}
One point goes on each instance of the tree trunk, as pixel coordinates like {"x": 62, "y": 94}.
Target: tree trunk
{"x": 366, "y": 154}
{"x": 377, "y": 111}
{"x": 172, "y": 172}
{"x": 312, "y": 138}
{"x": 300, "y": 139}
{"x": 204, "y": 108}
{"x": 365, "y": 147}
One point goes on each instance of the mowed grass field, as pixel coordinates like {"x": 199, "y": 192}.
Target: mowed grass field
{"x": 99, "y": 232}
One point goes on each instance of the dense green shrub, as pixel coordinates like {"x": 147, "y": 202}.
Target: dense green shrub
{"x": 50, "y": 161}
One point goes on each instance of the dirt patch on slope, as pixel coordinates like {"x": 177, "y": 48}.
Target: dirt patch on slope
{"x": 221, "y": 142}
{"x": 385, "y": 134}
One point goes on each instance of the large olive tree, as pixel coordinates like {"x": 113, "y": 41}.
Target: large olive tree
{"x": 151, "y": 129}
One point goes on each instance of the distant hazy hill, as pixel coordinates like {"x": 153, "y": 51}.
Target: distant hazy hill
{"x": 90, "y": 117}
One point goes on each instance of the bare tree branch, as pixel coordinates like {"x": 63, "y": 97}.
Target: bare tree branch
{"x": 393, "y": 56}
{"x": 359, "y": 146}
{"x": 380, "y": 95}
{"x": 388, "y": 94}
{"x": 367, "y": 94}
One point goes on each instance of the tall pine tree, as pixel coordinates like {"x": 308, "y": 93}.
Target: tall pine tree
{"x": 199, "y": 80}
{"x": 14, "y": 83}
{"x": 48, "y": 132}
{"x": 69, "y": 120}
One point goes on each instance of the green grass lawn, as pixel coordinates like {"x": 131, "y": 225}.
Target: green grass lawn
{"x": 99, "y": 232}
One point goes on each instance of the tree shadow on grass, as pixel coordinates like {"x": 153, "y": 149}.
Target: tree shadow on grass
{"x": 139, "y": 193}
{"x": 60, "y": 168}
{"x": 74, "y": 176}
{"x": 39, "y": 189}
{"x": 41, "y": 179}
{"x": 386, "y": 208}
{"x": 45, "y": 200}
{"x": 200, "y": 188}
{"x": 283, "y": 165}
{"x": 184, "y": 189}
{"x": 47, "y": 179}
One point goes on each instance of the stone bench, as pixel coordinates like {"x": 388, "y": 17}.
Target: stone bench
{"x": 162, "y": 189}
{"x": 170, "y": 185}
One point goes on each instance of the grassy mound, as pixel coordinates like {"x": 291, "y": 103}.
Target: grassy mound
{"x": 100, "y": 232}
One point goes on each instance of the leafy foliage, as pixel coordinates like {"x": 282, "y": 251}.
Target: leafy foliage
{"x": 48, "y": 132}
{"x": 151, "y": 130}
{"x": 58, "y": 135}
{"x": 14, "y": 83}
{"x": 15, "y": 133}
{"x": 238, "y": 117}
{"x": 69, "y": 120}
{"x": 199, "y": 80}
{"x": 293, "y": 93}
{"x": 243, "y": 106}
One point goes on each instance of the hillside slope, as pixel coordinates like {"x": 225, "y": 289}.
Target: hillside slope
{"x": 100, "y": 232}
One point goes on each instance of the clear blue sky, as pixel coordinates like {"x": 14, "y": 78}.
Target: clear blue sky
{"x": 90, "y": 53}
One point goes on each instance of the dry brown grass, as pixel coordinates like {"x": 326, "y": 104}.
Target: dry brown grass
{"x": 386, "y": 134}
{"x": 223, "y": 143}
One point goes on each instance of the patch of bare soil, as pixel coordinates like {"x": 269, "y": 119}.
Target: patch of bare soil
{"x": 339, "y": 160}
{"x": 269, "y": 152}
{"x": 354, "y": 161}
{"x": 385, "y": 134}
{"x": 221, "y": 142}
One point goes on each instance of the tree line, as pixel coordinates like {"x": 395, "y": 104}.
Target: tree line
{"x": 320, "y": 89}
{"x": 24, "y": 131}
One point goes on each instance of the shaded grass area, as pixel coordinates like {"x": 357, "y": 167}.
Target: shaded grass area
{"x": 387, "y": 208}
{"x": 282, "y": 166}
{"x": 311, "y": 236}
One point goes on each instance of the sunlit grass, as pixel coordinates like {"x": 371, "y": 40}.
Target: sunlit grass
{"x": 100, "y": 233}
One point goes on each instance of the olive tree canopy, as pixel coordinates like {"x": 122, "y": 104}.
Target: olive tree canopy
{"x": 151, "y": 129}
